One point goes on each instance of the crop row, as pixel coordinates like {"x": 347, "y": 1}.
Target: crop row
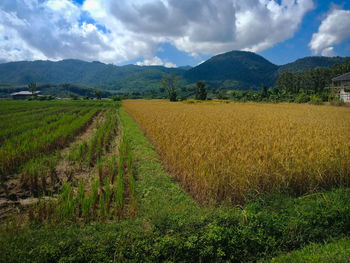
{"x": 91, "y": 151}
{"x": 15, "y": 127}
{"x": 234, "y": 152}
{"x": 45, "y": 139}
{"x": 111, "y": 195}
{"x": 40, "y": 176}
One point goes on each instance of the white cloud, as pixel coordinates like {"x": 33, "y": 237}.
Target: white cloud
{"x": 124, "y": 30}
{"x": 155, "y": 61}
{"x": 334, "y": 29}
{"x": 328, "y": 52}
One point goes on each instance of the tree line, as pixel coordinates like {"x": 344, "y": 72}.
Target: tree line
{"x": 309, "y": 86}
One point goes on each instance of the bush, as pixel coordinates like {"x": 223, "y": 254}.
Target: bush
{"x": 74, "y": 96}
{"x": 336, "y": 101}
{"x": 116, "y": 98}
{"x": 302, "y": 98}
{"x": 315, "y": 100}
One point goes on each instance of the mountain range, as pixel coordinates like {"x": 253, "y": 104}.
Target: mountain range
{"x": 234, "y": 70}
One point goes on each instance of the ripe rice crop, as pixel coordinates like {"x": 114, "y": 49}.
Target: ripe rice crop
{"x": 232, "y": 152}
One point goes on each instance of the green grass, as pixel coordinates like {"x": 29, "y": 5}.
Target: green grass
{"x": 170, "y": 226}
{"x": 159, "y": 194}
{"x": 336, "y": 252}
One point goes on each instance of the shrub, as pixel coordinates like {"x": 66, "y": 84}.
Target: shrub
{"x": 302, "y": 98}
{"x": 116, "y": 98}
{"x": 336, "y": 101}
{"x": 315, "y": 100}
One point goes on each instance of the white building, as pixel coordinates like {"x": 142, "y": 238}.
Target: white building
{"x": 344, "y": 81}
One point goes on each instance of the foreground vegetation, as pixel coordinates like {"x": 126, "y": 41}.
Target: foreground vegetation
{"x": 335, "y": 251}
{"x": 171, "y": 227}
{"x": 129, "y": 209}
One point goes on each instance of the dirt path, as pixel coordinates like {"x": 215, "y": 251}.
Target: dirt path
{"x": 66, "y": 170}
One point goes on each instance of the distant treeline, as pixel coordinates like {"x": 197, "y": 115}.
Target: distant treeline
{"x": 307, "y": 86}
{"x": 312, "y": 81}
{"x": 63, "y": 90}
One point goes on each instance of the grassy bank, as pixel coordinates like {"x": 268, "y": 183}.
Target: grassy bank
{"x": 170, "y": 226}
{"x": 337, "y": 251}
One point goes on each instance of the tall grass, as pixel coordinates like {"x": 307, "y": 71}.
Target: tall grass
{"x": 233, "y": 152}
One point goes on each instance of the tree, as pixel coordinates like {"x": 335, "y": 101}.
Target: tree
{"x": 286, "y": 81}
{"x": 264, "y": 91}
{"x": 73, "y": 96}
{"x": 169, "y": 83}
{"x": 98, "y": 94}
{"x": 201, "y": 92}
{"x": 32, "y": 88}
{"x": 221, "y": 94}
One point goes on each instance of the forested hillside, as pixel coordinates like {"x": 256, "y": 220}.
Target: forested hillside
{"x": 248, "y": 69}
{"x": 303, "y": 64}
{"x": 232, "y": 70}
{"x": 95, "y": 74}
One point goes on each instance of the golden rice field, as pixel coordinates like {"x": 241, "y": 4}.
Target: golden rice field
{"x": 232, "y": 152}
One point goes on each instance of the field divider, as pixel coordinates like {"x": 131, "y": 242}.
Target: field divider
{"x": 157, "y": 192}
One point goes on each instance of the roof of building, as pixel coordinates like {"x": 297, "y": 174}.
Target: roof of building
{"x": 25, "y": 93}
{"x": 344, "y": 77}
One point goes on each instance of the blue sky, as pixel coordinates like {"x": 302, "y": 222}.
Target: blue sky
{"x": 171, "y": 32}
{"x": 297, "y": 46}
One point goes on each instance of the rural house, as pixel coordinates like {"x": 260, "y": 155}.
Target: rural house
{"x": 342, "y": 82}
{"x": 22, "y": 95}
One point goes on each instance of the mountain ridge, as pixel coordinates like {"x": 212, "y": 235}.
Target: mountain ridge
{"x": 234, "y": 69}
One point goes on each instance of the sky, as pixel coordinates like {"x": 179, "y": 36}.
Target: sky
{"x": 171, "y": 32}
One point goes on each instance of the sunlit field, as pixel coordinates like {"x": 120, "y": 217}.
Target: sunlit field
{"x": 232, "y": 152}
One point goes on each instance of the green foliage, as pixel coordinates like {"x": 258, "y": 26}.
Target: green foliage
{"x": 98, "y": 75}
{"x": 116, "y": 98}
{"x": 232, "y": 70}
{"x": 307, "y": 63}
{"x": 32, "y": 87}
{"x": 302, "y": 98}
{"x": 311, "y": 81}
{"x": 169, "y": 83}
{"x": 20, "y": 149}
{"x": 98, "y": 94}
{"x": 74, "y": 96}
{"x": 336, "y": 101}
{"x": 315, "y": 100}
{"x": 261, "y": 230}
{"x": 171, "y": 227}
{"x": 334, "y": 251}
{"x": 201, "y": 92}
{"x": 247, "y": 68}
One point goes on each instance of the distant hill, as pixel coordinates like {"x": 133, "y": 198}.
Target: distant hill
{"x": 97, "y": 74}
{"x": 303, "y": 64}
{"x": 247, "y": 69}
{"x": 231, "y": 70}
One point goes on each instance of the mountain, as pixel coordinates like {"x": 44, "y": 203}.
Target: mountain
{"x": 231, "y": 70}
{"x": 247, "y": 69}
{"x": 97, "y": 74}
{"x": 303, "y": 64}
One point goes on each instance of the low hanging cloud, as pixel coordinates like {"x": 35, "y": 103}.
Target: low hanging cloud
{"x": 334, "y": 29}
{"x": 155, "y": 61}
{"x": 117, "y": 31}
